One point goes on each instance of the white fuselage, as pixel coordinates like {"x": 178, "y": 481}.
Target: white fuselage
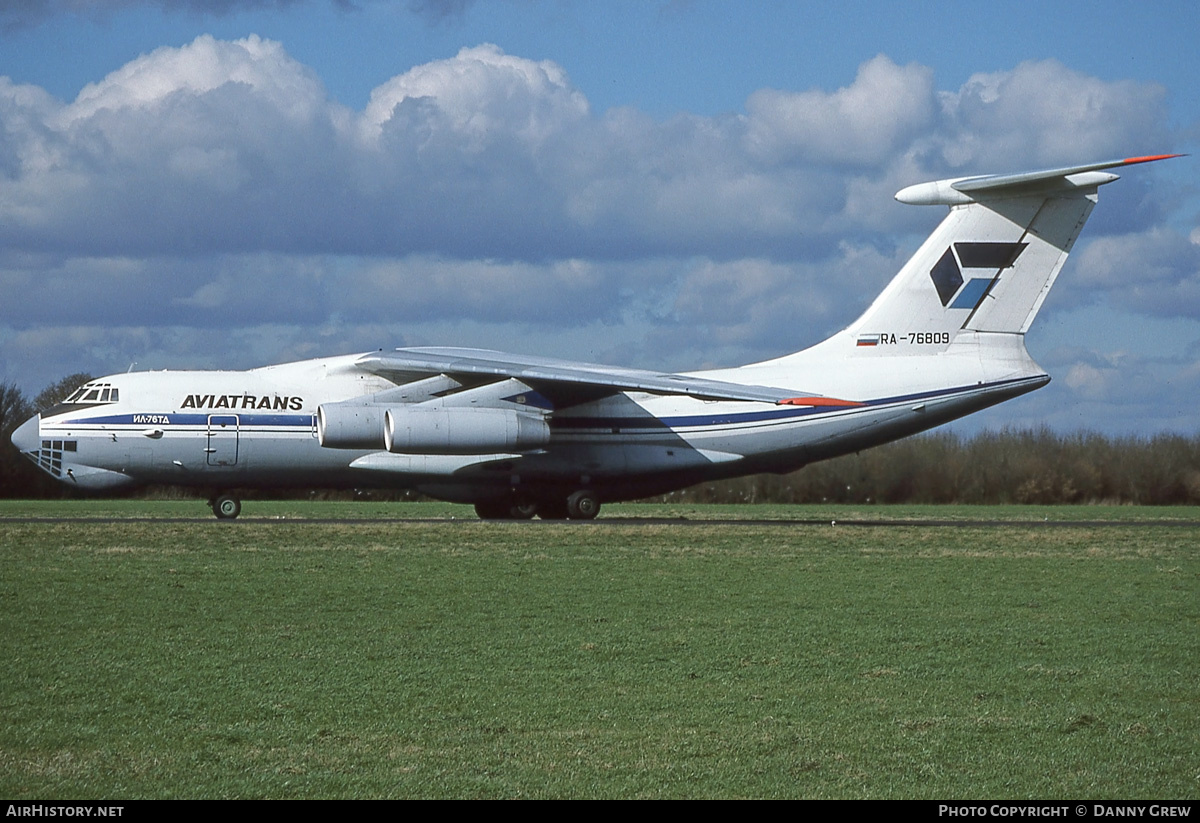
{"x": 220, "y": 430}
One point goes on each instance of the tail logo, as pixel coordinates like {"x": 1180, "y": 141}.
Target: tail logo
{"x": 953, "y": 291}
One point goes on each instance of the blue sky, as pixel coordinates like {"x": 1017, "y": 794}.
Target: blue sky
{"x": 215, "y": 183}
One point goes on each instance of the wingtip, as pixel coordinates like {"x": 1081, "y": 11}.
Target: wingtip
{"x": 1149, "y": 158}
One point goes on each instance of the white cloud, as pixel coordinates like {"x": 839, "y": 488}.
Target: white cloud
{"x": 1155, "y": 272}
{"x": 1139, "y": 393}
{"x": 219, "y": 147}
{"x": 863, "y": 124}
{"x": 483, "y": 94}
{"x": 1092, "y": 381}
{"x": 215, "y": 192}
{"x": 1043, "y": 113}
{"x": 420, "y": 289}
{"x": 202, "y": 66}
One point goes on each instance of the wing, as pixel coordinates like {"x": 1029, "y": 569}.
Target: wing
{"x": 564, "y": 382}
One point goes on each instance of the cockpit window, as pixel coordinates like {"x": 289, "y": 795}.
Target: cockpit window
{"x": 92, "y": 394}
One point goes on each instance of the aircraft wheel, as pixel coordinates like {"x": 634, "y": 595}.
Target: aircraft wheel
{"x": 583, "y": 505}
{"x": 522, "y": 511}
{"x": 491, "y": 510}
{"x": 552, "y": 509}
{"x": 227, "y": 507}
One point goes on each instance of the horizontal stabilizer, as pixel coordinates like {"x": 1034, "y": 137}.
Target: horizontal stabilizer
{"x": 959, "y": 191}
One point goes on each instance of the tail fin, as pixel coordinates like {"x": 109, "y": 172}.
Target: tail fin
{"x": 991, "y": 262}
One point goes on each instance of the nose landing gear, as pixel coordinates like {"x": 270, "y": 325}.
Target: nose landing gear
{"x": 226, "y": 507}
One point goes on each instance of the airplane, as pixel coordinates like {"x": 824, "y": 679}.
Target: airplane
{"x": 520, "y": 435}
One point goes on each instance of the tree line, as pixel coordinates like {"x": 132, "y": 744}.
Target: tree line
{"x": 993, "y": 467}
{"x": 18, "y": 476}
{"x": 1006, "y": 466}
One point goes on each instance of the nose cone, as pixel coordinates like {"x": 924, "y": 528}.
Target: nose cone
{"x": 27, "y": 438}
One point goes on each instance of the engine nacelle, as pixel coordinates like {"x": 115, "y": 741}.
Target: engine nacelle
{"x": 344, "y": 426}
{"x": 414, "y": 430}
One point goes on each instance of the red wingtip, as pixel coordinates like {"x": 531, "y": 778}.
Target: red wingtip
{"x": 818, "y": 401}
{"x": 1150, "y": 158}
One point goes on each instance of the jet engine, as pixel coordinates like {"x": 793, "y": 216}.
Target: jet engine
{"x": 345, "y": 426}
{"x": 416, "y": 430}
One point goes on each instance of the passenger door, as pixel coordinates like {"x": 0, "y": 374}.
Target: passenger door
{"x": 222, "y": 448}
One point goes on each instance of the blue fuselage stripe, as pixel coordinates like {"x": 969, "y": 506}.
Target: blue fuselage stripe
{"x": 175, "y": 419}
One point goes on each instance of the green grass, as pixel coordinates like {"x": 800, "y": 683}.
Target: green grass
{"x": 273, "y": 657}
{"x": 301, "y": 509}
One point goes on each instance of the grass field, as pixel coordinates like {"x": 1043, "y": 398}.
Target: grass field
{"x": 338, "y": 650}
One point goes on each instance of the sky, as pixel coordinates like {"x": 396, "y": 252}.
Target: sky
{"x": 664, "y": 185}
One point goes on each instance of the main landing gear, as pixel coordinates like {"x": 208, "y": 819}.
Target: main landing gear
{"x": 226, "y": 506}
{"x": 581, "y": 505}
{"x": 505, "y": 510}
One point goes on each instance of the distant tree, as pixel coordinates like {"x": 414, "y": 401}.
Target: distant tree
{"x": 59, "y": 391}
{"x": 1008, "y": 466}
{"x": 18, "y": 476}
{"x": 16, "y": 473}
{"x": 14, "y": 408}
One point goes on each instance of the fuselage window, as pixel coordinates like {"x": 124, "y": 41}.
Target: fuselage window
{"x": 50, "y": 456}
